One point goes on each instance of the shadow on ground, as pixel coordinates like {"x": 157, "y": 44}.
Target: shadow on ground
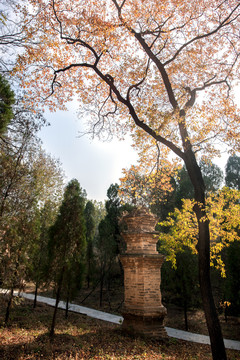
{"x": 81, "y": 337}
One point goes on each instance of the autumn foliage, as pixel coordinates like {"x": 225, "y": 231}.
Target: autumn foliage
{"x": 150, "y": 59}
{"x": 223, "y": 211}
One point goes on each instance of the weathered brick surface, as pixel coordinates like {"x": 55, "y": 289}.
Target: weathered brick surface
{"x": 147, "y": 326}
{"x": 140, "y": 220}
{"x": 140, "y": 243}
{"x": 143, "y": 310}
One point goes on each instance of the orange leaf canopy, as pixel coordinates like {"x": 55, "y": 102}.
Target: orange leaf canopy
{"x": 146, "y": 61}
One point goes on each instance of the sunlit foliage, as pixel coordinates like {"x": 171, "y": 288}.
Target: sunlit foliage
{"x": 223, "y": 209}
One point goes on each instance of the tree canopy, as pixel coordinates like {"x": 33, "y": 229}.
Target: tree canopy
{"x": 6, "y": 102}
{"x": 223, "y": 213}
{"x": 67, "y": 244}
{"x": 232, "y": 178}
{"x": 28, "y": 178}
{"x": 148, "y": 59}
{"x": 212, "y": 175}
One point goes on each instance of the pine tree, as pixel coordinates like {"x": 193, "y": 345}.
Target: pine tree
{"x": 67, "y": 245}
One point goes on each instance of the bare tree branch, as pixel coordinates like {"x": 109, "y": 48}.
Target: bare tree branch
{"x": 223, "y": 23}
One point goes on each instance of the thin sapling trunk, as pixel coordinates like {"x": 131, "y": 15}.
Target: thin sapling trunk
{"x": 9, "y": 305}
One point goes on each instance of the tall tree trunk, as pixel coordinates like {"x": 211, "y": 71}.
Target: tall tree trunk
{"x": 67, "y": 304}
{"x": 203, "y": 248}
{"x": 8, "y": 307}
{"x": 88, "y": 281}
{"x": 35, "y": 296}
{"x": 51, "y": 334}
{"x": 101, "y": 287}
{"x": 184, "y": 298}
{"x": 67, "y": 307}
{"x": 185, "y": 308}
{"x": 88, "y": 272}
{"x": 213, "y": 324}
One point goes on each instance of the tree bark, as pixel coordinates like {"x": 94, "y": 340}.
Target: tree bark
{"x": 203, "y": 248}
{"x": 213, "y": 324}
{"x": 51, "y": 334}
{"x": 35, "y": 296}
{"x": 88, "y": 279}
{"x": 8, "y": 307}
{"x": 101, "y": 288}
{"x": 185, "y": 308}
{"x": 67, "y": 306}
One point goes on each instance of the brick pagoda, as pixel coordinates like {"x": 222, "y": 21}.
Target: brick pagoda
{"x": 143, "y": 311}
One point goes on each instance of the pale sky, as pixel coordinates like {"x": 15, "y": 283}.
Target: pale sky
{"x": 95, "y": 164}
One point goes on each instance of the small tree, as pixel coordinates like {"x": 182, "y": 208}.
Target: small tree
{"x": 67, "y": 244}
{"x": 20, "y": 178}
{"x": 109, "y": 241}
{"x": 89, "y": 214}
{"x": 38, "y": 261}
{"x": 223, "y": 210}
{"x": 232, "y": 178}
{"x": 232, "y": 281}
{"x": 138, "y": 187}
{"x": 108, "y": 236}
{"x": 179, "y": 237}
{"x": 6, "y": 102}
{"x": 107, "y": 251}
{"x": 180, "y": 283}
{"x": 19, "y": 153}
{"x": 18, "y": 240}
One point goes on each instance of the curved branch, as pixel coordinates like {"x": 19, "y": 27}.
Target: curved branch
{"x": 153, "y": 57}
{"x": 134, "y": 115}
{"x": 223, "y": 23}
{"x": 135, "y": 86}
{"x": 71, "y": 40}
{"x": 56, "y": 83}
{"x": 210, "y": 82}
{"x": 113, "y": 89}
{"x": 160, "y": 67}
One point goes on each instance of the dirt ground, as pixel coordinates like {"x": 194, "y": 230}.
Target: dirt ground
{"x": 113, "y": 302}
{"x": 80, "y": 337}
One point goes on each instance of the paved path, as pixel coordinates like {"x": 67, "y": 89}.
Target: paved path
{"x": 178, "y": 334}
